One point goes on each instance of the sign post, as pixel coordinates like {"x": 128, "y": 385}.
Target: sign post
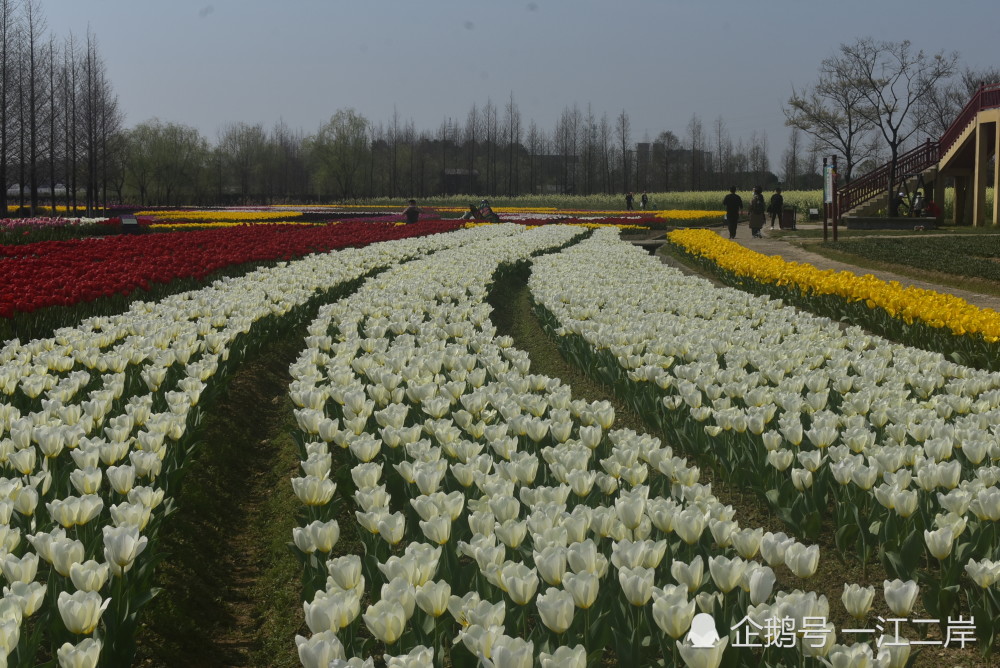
{"x": 827, "y": 195}
{"x": 833, "y": 197}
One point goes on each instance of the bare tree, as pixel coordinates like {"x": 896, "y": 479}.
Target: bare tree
{"x": 891, "y": 78}
{"x": 792, "y": 158}
{"x": 623, "y": 130}
{"x": 33, "y": 26}
{"x": 8, "y": 58}
{"x": 940, "y": 106}
{"x": 490, "y": 144}
{"x": 512, "y": 125}
{"x": 604, "y": 132}
{"x": 53, "y": 116}
{"x": 834, "y": 112}
{"x": 758, "y": 156}
{"x": 696, "y": 137}
{"x": 590, "y": 151}
{"x": 723, "y": 154}
{"x": 534, "y": 143}
{"x": 471, "y": 134}
{"x": 669, "y": 144}
{"x": 69, "y": 101}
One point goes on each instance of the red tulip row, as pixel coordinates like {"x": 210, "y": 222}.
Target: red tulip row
{"x": 63, "y": 273}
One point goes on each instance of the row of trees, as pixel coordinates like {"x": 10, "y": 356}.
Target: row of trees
{"x": 60, "y": 126}
{"x": 491, "y": 152}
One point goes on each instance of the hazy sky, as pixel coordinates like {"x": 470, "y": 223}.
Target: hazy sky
{"x": 209, "y": 62}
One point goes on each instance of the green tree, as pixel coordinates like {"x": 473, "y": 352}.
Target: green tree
{"x": 338, "y": 152}
{"x": 163, "y": 161}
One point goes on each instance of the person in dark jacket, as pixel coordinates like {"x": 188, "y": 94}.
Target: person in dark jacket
{"x": 757, "y": 211}
{"x": 775, "y": 206}
{"x": 734, "y": 207}
{"x": 411, "y": 212}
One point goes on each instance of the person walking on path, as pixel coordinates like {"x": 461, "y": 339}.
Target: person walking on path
{"x": 775, "y": 206}
{"x": 643, "y": 201}
{"x": 411, "y": 212}
{"x": 757, "y": 209}
{"x": 734, "y": 207}
{"x": 628, "y": 201}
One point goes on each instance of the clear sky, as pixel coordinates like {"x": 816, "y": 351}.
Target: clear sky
{"x": 208, "y": 62}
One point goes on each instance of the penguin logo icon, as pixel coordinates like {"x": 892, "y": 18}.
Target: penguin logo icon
{"x": 703, "y": 633}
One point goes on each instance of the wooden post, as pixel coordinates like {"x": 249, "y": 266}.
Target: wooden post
{"x": 996, "y": 171}
{"x": 979, "y": 176}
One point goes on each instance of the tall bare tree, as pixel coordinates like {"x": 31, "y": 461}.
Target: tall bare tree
{"x": 940, "y": 106}
{"x": 8, "y": 65}
{"x": 512, "y": 125}
{"x": 623, "y": 130}
{"x": 696, "y": 139}
{"x": 892, "y": 77}
{"x": 792, "y": 158}
{"x": 835, "y": 113}
{"x": 33, "y": 28}
{"x": 607, "y": 154}
{"x": 53, "y": 118}
{"x": 471, "y": 136}
{"x": 69, "y": 98}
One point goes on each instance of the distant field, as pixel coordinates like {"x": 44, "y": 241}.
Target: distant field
{"x": 697, "y": 200}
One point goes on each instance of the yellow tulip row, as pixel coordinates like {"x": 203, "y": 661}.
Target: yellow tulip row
{"x": 907, "y": 303}
{"x": 243, "y": 216}
{"x": 688, "y": 214}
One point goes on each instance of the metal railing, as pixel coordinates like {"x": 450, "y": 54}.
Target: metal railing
{"x": 987, "y": 97}
{"x": 876, "y": 182}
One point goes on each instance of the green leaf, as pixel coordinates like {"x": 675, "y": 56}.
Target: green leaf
{"x": 912, "y": 551}
{"x": 893, "y": 563}
{"x": 846, "y": 537}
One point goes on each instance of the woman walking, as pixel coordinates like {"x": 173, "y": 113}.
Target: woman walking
{"x": 757, "y": 211}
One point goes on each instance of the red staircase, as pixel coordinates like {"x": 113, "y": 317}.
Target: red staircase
{"x": 923, "y": 157}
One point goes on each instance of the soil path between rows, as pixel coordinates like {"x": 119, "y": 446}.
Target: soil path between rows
{"x": 230, "y": 585}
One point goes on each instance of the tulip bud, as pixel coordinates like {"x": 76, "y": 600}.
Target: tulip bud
{"x": 900, "y": 596}
{"x": 81, "y": 611}
{"x": 564, "y": 657}
{"x": 84, "y": 654}
{"x": 858, "y": 600}
{"x": 555, "y": 607}
{"x": 320, "y": 649}
{"x": 386, "y": 620}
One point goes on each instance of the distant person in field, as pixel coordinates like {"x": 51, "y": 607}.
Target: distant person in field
{"x": 411, "y": 212}
{"x": 757, "y": 211}
{"x": 628, "y": 201}
{"x": 644, "y": 201}
{"x": 734, "y": 207}
{"x": 775, "y": 206}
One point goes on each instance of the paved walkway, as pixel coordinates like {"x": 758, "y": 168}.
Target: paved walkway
{"x": 786, "y": 247}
